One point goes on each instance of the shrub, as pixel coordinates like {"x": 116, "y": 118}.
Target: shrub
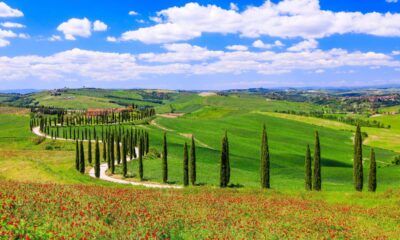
{"x": 396, "y": 160}
{"x": 38, "y": 140}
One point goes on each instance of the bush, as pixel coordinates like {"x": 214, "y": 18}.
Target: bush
{"x": 153, "y": 154}
{"x": 396, "y": 160}
{"x": 38, "y": 140}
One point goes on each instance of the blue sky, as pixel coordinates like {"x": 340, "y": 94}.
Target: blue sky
{"x": 199, "y": 44}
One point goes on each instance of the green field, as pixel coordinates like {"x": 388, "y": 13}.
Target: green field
{"x": 30, "y": 164}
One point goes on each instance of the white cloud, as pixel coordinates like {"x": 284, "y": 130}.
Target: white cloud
{"x": 233, "y": 7}
{"x": 392, "y": 1}
{"x": 111, "y": 39}
{"x": 55, "y": 38}
{"x": 285, "y": 19}
{"x": 7, "y": 11}
{"x": 396, "y": 53}
{"x": 304, "y": 46}
{"x": 261, "y": 44}
{"x": 133, "y": 13}
{"x": 75, "y": 27}
{"x": 5, "y": 34}
{"x": 181, "y": 52}
{"x": 183, "y": 59}
{"x": 12, "y": 25}
{"x": 99, "y": 26}
{"x": 237, "y": 48}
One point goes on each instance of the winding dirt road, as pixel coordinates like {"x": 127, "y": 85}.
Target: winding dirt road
{"x": 104, "y": 167}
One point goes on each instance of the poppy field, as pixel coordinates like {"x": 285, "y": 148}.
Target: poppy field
{"x": 54, "y": 211}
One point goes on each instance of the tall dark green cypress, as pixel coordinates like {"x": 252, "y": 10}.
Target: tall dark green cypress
{"x": 317, "y": 164}
{"x": 104, "y": 150}
{"x": 372, "y": 172}
{"x": 308, "y": 171}
{"x": 77, "y": 156}
{"x": 97, "y": 159}
{"x": 265, "y": 162}
{"x": 224, "y": 165}
{"x": 165, "y": 159}
{"x": 358, "y": 161}
{"x": 124, "y": 162}
{"x": 228, "y": 160}
{"x": 185, "y": 165}
{"x": 112, "y": 154}
{"x": 140, "y": 160}
{"x": 90, "y": 151}
{"x": 82, "y": 159}
{"x": 118, "y": 149}
{"x": 192, "y": 165}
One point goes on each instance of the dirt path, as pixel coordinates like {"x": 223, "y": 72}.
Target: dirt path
{"x": 185, "y": 135}
{"x": 104, "y": 167}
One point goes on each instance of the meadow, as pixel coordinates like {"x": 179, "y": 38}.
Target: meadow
{"x": 40, "y": 174}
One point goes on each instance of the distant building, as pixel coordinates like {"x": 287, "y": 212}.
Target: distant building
{"x": 93, "y": 112}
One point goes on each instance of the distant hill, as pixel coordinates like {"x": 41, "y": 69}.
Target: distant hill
{"x": 20, "y": 91}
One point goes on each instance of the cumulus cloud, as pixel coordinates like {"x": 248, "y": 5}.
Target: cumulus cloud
{"x": 285, "y": 19}
{"x": 261, "y": 44}
{"x": 304, "y": 45}
{"x": 182, "y": 59}
{"x": 99, "y": 26}
{"x": 392, "y": 1}
{"x": 6, "y": 34}
{"x": 12, "y": 25}
{"x": 7, "y": 11}
{"x": 76, "y": 27}
{"x": 133, "y": 13}
{"x": 237, "y": 48}
{"x": 112, "y": 39}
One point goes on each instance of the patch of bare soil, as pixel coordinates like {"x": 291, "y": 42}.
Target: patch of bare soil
{"x": 171, "y": 115}
{"x": 207, "y": 94}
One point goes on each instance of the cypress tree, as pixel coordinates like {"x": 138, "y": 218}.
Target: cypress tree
{"x": 308, "y": 171}
{"x": 358, "y": 163}
{"x": 104, "y": 150}
{"x": 124, "y": 162}
{"x": 112, "y": 154}
{"x": 192, "y": 165}
{"x": 185, "y": 165}
{"x": 265, "y": 164}
{"x": 372, "y": 173}
{"x": 119, "y": 150}
{"x": 140, "y": 161}
{"x": 90, "y": 151}
{"x": 228, "y": 161}
{"x": 317, "y": 164}
{"x": 224, "y": 165}
{"x": 77, "y": 156}
{"x": 97, "y": 160}
{"x": 165, "y": 159}
{"x": 82, "y": 159}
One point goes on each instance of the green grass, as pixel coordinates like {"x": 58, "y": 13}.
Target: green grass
{"x": 73, "y": 101}
{"x": 22, "y": 160}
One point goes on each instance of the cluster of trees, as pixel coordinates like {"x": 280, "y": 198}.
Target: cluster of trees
{"x": 313, "y": 180}
{"x": 343, "y": 119}
{"x": 119, "y": 146}
{"x": 64, "y": 118}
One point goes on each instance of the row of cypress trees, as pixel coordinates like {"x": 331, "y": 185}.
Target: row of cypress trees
{"x": 79, "y": 118}
{"x": 313, "y": 179}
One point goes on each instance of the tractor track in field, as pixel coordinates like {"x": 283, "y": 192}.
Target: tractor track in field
{"x": 185, "y": 135}
{"x": 104, "y": 167}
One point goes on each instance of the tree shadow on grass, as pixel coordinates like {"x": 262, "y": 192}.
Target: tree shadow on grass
{"x": 334, "y": 163}
{"x": 237, "y": 185}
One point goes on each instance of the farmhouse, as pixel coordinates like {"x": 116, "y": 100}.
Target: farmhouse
{"x": 93, "y": 112}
